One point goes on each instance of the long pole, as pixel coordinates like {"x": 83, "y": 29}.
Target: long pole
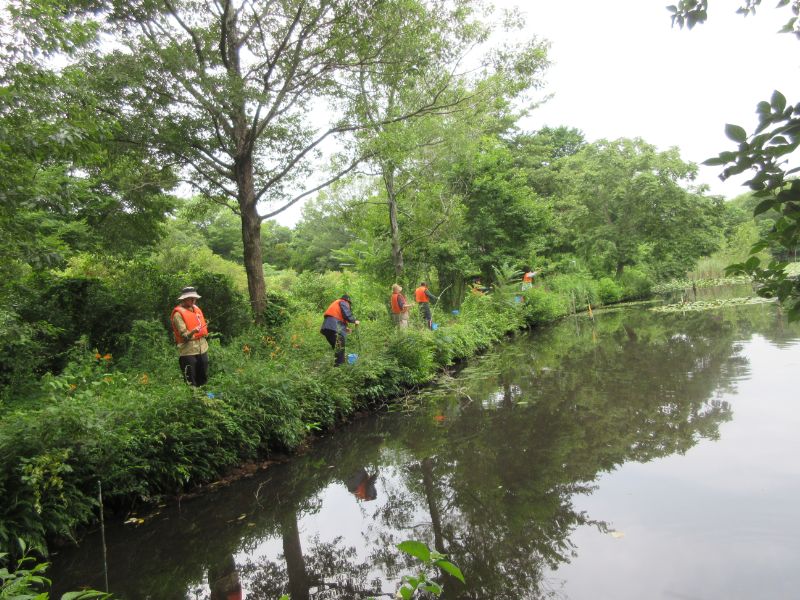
{"x": 103, "y": 532}
{"x": 439, "y": 297}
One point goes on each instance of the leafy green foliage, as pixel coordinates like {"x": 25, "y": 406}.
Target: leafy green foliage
{"x": 622, "y": 204}
{"x": 776, "y": 137}
{"x": 68, "y": 184}
{"x": 609, "y": 290}
{"x": 692, "y": 12}
{"x": 26, "y": 580}
{"x": 423, "y": 580}
{"x": 503, "y": 215}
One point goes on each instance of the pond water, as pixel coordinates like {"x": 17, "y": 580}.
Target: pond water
{"x": 636, "y": 455}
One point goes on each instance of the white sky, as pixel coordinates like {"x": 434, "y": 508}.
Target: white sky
{"x": 621, "y": 70}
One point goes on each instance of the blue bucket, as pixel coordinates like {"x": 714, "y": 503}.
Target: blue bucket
{"x": 517, "y": 299}
{"x": 352, "y": 358}
{"x": 434, "y": 326}
{"x": 455, "y": 312}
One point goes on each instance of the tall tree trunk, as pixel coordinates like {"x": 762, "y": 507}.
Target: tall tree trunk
{"x": 251, "y": 237}
{"x": 243, "y": 167}
{"x": 397, "y": 250}
{"x": 451, "y": 585}
{"x": 293, "y": 553}
{"x": 433, "y": 508}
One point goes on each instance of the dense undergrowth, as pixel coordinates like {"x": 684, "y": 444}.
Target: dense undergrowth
{"x": 126, "y": 419}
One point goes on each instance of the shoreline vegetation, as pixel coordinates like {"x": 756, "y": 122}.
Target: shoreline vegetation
{"x": 129, "y": 422}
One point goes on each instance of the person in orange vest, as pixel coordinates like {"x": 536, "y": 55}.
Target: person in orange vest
{"x": 191, "y": 329}
{"x": 223, "y": 580}
{"x": 423, "y": 297}
{"x": 527, "y": 278}
{"x": 334, "y": 326}
{"x": 399, "y": 307}
{"x": 362, "y": 485}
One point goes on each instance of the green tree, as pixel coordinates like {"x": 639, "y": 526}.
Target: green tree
{"x": 67, "y": 186}
{"x": 776, "y": 137}
{"x": 319, "y": 234}
{"x": 459, "y": 97}
{"x": 622, "y": 203}
{"x": 504, "y": 218}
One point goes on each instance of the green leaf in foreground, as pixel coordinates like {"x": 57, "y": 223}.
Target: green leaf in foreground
{"x": 415, "y": 549}
{"x": 450, "y": 568}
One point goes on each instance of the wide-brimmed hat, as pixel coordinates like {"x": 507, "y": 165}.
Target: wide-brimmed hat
{"x": 188, "y": 292}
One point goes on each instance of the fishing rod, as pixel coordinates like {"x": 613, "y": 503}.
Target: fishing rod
{"x": 439, "y": 297}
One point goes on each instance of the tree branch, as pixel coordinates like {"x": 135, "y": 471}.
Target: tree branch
{"x": 299, "y": 197}
{"x": 198, "y": 49}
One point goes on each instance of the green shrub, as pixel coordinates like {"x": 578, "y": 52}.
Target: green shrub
{"x": 576, "y": 288}
{"x": 414, "y": 352}
{"x": 609, "y": 291}
{"x": 24, "y": 350}
{"x": 541, "y": 306}
{"x": 316, "y": 290}
{"x": 635, "y": 283}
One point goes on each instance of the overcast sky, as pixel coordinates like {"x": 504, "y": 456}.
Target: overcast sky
{"x": 621, "y": 70}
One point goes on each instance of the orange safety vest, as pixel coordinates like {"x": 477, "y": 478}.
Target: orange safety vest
{"x": 396, "y": 305}
{"x": 419, "y": 294}
{"x": 527, "y": 277}
{"x": 335, "y": 310}
{"x": 361, "y": 490}
{"x": 192, "y": 319}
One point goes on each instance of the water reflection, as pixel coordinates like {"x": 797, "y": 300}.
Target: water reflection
{"x": 223, "y": 580}
{"x": 362, "y": 485}
{"x": 487, "y": 473}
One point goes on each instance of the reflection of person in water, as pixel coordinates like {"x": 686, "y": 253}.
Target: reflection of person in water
{"x": 224, "y": 580}
{"x": 362, "y": 485}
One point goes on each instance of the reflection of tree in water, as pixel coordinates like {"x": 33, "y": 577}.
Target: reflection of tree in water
{"x": 498, "y": 478}
{"x": 324, "y": 570}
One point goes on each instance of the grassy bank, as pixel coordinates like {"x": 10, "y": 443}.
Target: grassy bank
{"x": 130, "y": 422}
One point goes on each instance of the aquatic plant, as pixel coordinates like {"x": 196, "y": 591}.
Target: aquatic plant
{"x": 710, "y": 304}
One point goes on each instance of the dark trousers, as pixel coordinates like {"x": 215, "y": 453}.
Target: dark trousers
{"x": 194, "y": 368}
{"x": 425, "y": 310}
{"x": 336, "y": 340}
